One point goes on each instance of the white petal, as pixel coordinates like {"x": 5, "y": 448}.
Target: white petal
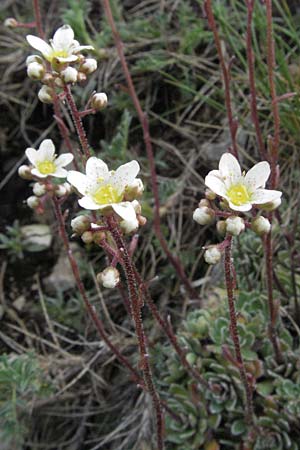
{"x": 96, "y": 168}
{"x": 46, "y": 150}
{"x": 63, "y": 37}
{"x": 78, "y": 180}
{"x": 261, "y": 196}
{"x": 215, "y": 173}
{"x": 245, "y": 207}
{"x": 230, "y": 168}
{"x": 64, "y": 159}
{"x": 79, "y": 48}
{"x": 39, "y": 44}
{"x": 215, "y": 184}
{"x": 32, "y": 155}
{"x": 257, "y": 176}
{"x": 71, "y": 58}
{"x": 125, "y": 210}
{"x": 125, "y": 175}
{"x": 60, "y": 173}
{"x": 36, "y": 172}
{"x": 88, "y": 203}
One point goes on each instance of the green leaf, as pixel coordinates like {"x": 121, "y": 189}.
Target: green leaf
{"x": 238, "y": 427}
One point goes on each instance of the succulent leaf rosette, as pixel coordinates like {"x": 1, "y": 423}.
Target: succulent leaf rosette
{"x": 104, "y": 190}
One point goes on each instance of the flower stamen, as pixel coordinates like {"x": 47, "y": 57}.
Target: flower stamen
{"x": 46, "y": 167}
{"x": 238, "y": 194}
{"x": 106, "y": 195}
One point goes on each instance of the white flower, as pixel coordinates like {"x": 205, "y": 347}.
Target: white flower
{"x": 103, "y": 189}
{"x": 241, "y": 190}
{"x": 212, "y": 255}
{"x": 45, "y": 161}
{"x": 62, "y": 49}
{"x": 129, "y": 226}
{"x": 235, "y": 225}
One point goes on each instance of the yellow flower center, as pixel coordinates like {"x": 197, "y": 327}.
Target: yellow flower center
{"x": 57, "y": 54}
{"x": 107, "y": 194}
{"x": 46, "y": 167}
{"x": 238, "y": 194}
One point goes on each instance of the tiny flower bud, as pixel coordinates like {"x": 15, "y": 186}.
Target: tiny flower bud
{"x": 87, "y": 237}
{"x": 99, "y": 236}
{"x": 221, "y": 227}
{"x": 34, "y": 58}
{"x": 89, "y": 66}
{"x": 210, "y": 195}
{"x": 270, "y": 206}
{"x": 60, "y": 190}
{"x": 81, "y": 77}
{"x": 137, "y": 206}
{"x": 234, "y": 225}
{"x": 203, "y": 215}
{"x": 80, "y": 224}
{"x": 129, "y": 226}
{"x": 109, "y": 278}
{"x": 35, "y": 71}
{"x": 99, "y": 101}
{"x": 25, "y": 172}
{"x": 39, "y": 189}
{"x": 260, "y": 225}
{"x": 134, "y": 190}
{"x": 45, "y": 94}
{"x": 33, "y": 202}
{"x": 141, "y": 220}
{"x": 212, "y": 255}
{"x": 10, "y": 22}
{"x": 68, "y": 188}
{"x": 69, "y": 75}
{"x": 59, "y": 82}
{"x": 203, "y": 202}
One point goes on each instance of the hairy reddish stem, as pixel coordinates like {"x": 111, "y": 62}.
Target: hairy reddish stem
{"x": 251, "y": 74}
{"x": 135, "y": 303}
{"x": 147, "y": 139}
{"x": 233, "y": 126}
{"x": 77, "y": 121}
{"x": 234, "y": 331}
{"x": 38, "y": 18}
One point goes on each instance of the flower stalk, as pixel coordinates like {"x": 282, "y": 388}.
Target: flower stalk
{"x": 229, "y": 279}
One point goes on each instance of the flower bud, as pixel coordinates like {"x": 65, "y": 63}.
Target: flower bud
{"x": 69, "y": 75}
{"x": 89, "y": 66}
{"x": 203, "y": 202}
{"x": 39, "y": 189}
{"x": 141, "y": 220}
{"x": 87, "y": 237}
{"x": 99, "y": 236}
{"x": 210, "y": 195}
{"x": 109, "y": 278}
{"x": 10, "y": 22}
{"x": 203, "y": 215}
{"x": 59, "y": 82}
{"x": 60, "y": 190}
{"x": 99, "y": 101}
{"x": 81, "y": 77}
{"x": 212, "y": 255}
{"x": 221, "y": 227}
{"x": 24, "y": 172}
{"x": 33, "y": 202}
{"x": 137, "y": 206}
{"x": 260, "y": 225}
{"x": 34, "y": 58}
{"x": 234, "y": 225}
{"x": 270, "y": 206}
{"x": 80, "y": 224}
{"x": 35, "y": 71}
{"x": 45, "y": 94}
{"x": 129, "y": 226}
{"x": 134, "y": 190}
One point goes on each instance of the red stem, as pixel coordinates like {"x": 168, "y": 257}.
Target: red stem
{"x": 251, "y": 73}
{"x": 234, "y": 331}
{"x": 135, "y": 303}
{"x": 38, "y": 18}
{"x": 147, "y": 139}
{"x": 77, "y": 121}
{"x": 233, "y": 126}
